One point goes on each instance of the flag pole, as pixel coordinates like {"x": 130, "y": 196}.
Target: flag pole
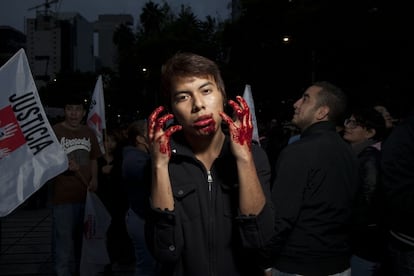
{"x": 105, "y": 137}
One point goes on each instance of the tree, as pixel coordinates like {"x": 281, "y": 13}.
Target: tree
{"x": 160, "y": 34}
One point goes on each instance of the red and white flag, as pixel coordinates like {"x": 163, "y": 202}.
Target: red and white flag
{"x": 96, "y": 116}
{"x": 247, "y": 95}
{"x": 30, "y": 153}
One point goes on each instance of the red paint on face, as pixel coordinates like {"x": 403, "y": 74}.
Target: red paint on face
{"x": 205, "y": 124}
{"x": 210, "y": 129}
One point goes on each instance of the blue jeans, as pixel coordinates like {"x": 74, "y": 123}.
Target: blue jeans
{"x": 145, "y": 264}
{"x": 67, "y": 237}
{"x": 276, "y": 272}
{"x": 362, "y": 267}
{"x": 402, "y": 260}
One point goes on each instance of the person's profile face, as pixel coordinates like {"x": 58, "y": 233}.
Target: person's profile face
{"x": 306, "y": 108}
{"x": 354, "y": 132}
{"x": 196, "y": 103}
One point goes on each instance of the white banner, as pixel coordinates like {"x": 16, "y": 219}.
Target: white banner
{"x": 30, "y": 154}
{"x": 96, "y": 223}
{"x": 96, "y": 115}
{"x": 247, "y": 95}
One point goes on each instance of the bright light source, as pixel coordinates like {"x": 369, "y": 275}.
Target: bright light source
{"x": 286, "y": 39}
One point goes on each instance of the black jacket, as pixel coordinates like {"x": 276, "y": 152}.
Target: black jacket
{"x": 205, "y": 234}
{"x": 314, "y": 189}
{"x": 397, "y": 166}
{"x": 136, "y": 166}
{"x": 368, "y": 235}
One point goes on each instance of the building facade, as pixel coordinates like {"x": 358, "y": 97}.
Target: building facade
{"x": 60, "y": 42}
{"x": 105, "y": 27}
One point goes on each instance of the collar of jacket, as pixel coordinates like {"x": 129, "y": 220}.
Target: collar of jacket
{"x": 180, "y": 146}
{"x": 358, "y": 148}
{"x": 224, "y": 163}
{"x": 318, "y": 127}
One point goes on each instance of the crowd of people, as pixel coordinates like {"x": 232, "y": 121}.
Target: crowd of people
{"x": 191, "y": 193}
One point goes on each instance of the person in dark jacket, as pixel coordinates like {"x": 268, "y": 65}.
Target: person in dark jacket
{"x": 134, "y": 166}
{"x": 397, "y": 165}
{"x": 313, "y": 190}
{"x": 113, "y": 196}
{"x": 364, "y": 131}
{"x": 210, "y": 194}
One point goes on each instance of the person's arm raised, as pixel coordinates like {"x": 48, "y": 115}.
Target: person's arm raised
{"x": 252, "y": 198}
{"x": 160, "y": 150}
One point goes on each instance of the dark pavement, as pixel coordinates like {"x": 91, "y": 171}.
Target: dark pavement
{"x": 25, "y": 243}
{"x": 25, "y": 246}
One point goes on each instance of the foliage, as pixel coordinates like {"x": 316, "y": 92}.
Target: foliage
{"x": 160, "y": 34}
{"x": 349, "y": 43}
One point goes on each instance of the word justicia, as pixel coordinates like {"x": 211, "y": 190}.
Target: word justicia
{"x": 31, "y": 121}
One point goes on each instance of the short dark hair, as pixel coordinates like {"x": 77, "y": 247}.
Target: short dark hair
{"x": 136, "y": 128}
{"x": 370, "y": 118}
{"x": 185, "y": 64}
{"x": 73, "y": 99}
{"x": 333, "y": 97}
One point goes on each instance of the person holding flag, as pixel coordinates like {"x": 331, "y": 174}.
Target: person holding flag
{"x": 69, "y": 189}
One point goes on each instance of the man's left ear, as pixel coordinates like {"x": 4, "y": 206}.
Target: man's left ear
{"x": 322, "y": 112}
{"x": 370, "y": 133}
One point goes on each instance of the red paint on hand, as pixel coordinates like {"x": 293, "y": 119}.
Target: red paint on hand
{"x": 241, "y": 133}
{"x": 156, "y": 133}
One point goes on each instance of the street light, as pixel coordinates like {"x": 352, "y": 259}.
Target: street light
{"x": 286, "y": 39}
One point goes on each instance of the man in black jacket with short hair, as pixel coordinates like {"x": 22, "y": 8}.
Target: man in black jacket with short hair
{"x": 313, "y": 191}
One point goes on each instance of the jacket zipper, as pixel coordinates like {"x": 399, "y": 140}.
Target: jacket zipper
{"x": 211, "y": 223}
{"x": 210, "y": 181}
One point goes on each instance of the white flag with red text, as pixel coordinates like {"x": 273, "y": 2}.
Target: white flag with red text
{"x": 247, "y": 95}
{"x": 96, "y": 115}
{"x": 30, "y": 153}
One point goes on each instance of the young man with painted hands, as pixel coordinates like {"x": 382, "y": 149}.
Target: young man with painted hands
{"x": 210, "y": 191}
